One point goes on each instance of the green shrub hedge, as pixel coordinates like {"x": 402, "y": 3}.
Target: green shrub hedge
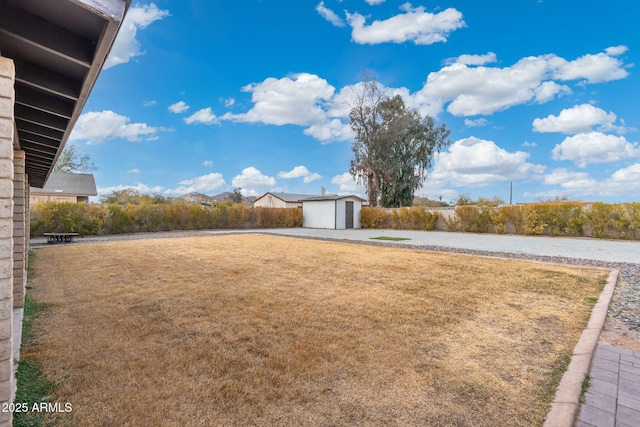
{"x": 97, "y": 219}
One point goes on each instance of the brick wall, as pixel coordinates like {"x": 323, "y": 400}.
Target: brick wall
{"x": 7, "y": 97}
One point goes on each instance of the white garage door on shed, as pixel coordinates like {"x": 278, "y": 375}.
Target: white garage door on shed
{"x": 335, "y": 212}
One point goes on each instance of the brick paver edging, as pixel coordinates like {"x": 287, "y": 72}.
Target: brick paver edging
{"x": 566, "y": 403}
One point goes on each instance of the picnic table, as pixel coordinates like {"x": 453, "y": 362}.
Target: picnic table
{"x": 60, "y": 237}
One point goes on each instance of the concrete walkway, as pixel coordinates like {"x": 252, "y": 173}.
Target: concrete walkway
{"x": 613, "y": 398}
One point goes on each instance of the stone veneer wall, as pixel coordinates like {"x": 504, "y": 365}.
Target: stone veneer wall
{"x": 20, "y": 229}
{"x": 7, "y": 97}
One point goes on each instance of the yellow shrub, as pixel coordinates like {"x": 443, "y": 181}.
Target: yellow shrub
{"x": 620, "y": 220}
{"x": 512, "y": 215}
{"x": 114, "y": 218}
{"x": 599, "y": 218}
{"x": 371, "y": 217}
{"x": 65, "y": 217}
{"x": 625, "y": 219}
{"x": 476, "y": 219}
{"x": 556, "y": 219}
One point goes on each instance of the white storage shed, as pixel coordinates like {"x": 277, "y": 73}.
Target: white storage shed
{"x": 335, "y": 212}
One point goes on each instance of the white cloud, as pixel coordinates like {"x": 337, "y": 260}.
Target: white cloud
{"x": 374, "y": 2}
{"x": 546, "y": 91}
{"x": 140, "y": 187}
{"x": 99, "y": 126}
{"x": 475, "y": 123}
{"x": 621, "y": 183}
{"x": 629, "y": 175}
{"x": 301, "y": 99}
{"x": 200, "y": 184}
{"x": 475, "y": 59}
{"x": 595, "y": 147}
{"x": 251, "y": 180}
{"x": 472, "y": 90}
{"x": 485, "y": 90}
{"x": 290, "y": 100}
{"x": 228, "y": 102}
{"x": 465, "y": 90}
{"x": 296, "y": 172}
{"x": 347, "y": 185}
{"x": 616, "y": 50}
{"x": 562, "y": 176}
{"x": 207, "y": 163}
{"x": 308, "y": 100}
{"x": 577, "y": 119}
{"x": 300, "y": 172}
{"x": 529, "y": 144}
{"x": 126, "y": 46}
{"x": 416, "y": 25}
{"x": 474, "y": 162}
{"x": 329, "y": 15}
{"x": 582, "y": 185}
{"x": 133, "y": 171}
{"x": 329, "y": 131}
{"x": 178, "y": 107}
{"x": 312, "y": 177}
{"x": 204, "y": 116}
{"x": 149, "y": 103}
{"x": 596, "y": 68}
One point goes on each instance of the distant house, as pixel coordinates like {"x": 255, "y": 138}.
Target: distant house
{"x": 65, "y": 187}
{"x": 280, "y": 200}
{"x": 334, "y": 212}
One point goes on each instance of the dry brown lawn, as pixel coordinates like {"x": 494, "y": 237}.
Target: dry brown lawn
{"x": 273, "y": 331}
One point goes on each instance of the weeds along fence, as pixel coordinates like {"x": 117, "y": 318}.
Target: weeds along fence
{"x": 97, "y": 219}
{"x": 601, "y": 220}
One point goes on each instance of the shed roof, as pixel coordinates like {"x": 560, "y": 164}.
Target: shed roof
{"x": 81, "y": 184}
{"x": 58, "y": 49}
{"x": 286, "y": 197}
{"x": 331, "y": 197}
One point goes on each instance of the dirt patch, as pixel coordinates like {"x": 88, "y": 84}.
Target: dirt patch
{"x": 257, "y": 330}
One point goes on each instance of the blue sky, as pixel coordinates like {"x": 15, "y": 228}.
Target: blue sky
{"x": 207, "y": 96}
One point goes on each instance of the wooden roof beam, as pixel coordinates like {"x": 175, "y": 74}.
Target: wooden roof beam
{"x": 39, "y": 117}
{"x": 25, "y": 28}
{"x": 44, "y": 102}
{"x": 48, "y": 81}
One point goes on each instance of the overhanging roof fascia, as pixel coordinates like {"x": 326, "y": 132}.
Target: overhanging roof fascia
{"x": 59, "y": 48}
{"x": 114, "y": 11}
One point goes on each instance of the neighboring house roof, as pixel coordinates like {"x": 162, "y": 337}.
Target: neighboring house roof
{"x": 80, "y": 184}
{"x": 331, "y": 197}
{"x": 58, "y": 48}
{"x": 286, "y": 197}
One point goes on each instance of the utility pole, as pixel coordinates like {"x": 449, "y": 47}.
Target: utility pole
{"x": 511, "y": 193}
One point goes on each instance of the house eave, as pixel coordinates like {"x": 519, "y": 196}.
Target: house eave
{"x": 59, "y": 49}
